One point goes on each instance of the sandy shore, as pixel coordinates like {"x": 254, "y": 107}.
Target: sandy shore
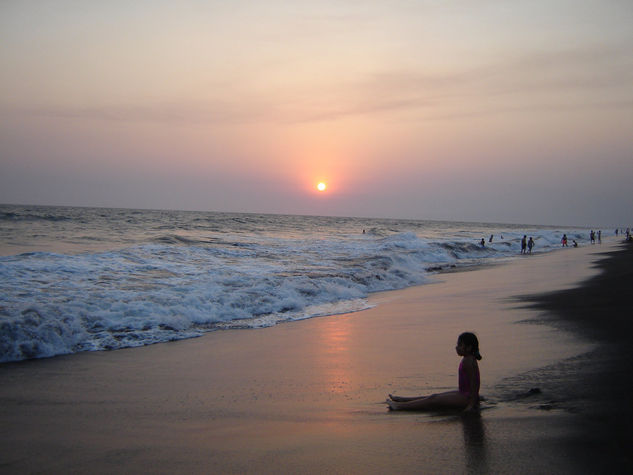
{"x": 599, "y": 384}
{"x": 307, "y": 397}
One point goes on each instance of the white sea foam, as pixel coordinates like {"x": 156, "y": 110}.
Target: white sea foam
{"x": 180, "y": 284}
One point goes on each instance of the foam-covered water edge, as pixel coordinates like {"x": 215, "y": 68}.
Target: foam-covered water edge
{"x": 169, "y": 276}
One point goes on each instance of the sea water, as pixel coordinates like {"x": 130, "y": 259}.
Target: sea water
{"x": 86, "y": 279}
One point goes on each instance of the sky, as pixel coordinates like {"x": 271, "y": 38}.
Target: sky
{"x": 472, "y": 110}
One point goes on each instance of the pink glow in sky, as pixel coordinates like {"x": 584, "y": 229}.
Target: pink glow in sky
{"x": 479, "y": 110}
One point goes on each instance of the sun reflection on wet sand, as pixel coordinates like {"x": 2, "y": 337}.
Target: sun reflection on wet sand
{"x": 335, "y": 361}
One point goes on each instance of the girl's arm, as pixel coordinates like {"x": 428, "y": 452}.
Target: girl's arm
{"x": 473, "y": 384}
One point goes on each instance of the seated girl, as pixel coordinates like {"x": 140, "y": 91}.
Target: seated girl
{"x": 465, "y": 398}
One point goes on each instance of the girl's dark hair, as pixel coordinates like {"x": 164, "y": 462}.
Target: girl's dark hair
{"x": 470, "y": 339}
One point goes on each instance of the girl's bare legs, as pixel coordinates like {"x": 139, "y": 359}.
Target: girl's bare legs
{"x": 405, "y": 399}
{"x": 449, "y": 400}
{"x": 415, "y": 398}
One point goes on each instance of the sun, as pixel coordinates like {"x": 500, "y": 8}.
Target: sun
{"x": 321, "y": 186}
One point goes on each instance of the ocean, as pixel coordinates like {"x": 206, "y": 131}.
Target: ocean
{"x": 87, "y": 279}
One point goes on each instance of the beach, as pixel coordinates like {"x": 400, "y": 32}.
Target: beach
{"x": 599, "y": 311}
{"x": 235, "y": 236}
{"x": 308, "y": 396}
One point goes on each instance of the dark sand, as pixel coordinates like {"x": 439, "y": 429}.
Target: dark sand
{"x": 307, "y": 397}
{"x": 600, "y": 383}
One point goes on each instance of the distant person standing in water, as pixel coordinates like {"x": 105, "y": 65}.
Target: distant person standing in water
{"x": 530, "y": 245}
{"x": 592, "y": 237}
{"x": 483, "y": 242}
{"x": 599, "y": 236}
{"x": 491, "y": 236}
{"x": 523, "y": 244}
{"x": 564, "y": 240}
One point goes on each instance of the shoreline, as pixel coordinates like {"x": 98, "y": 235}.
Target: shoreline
{"x": 342, "y": 307}
{"x": 307, "y": 396}
{"x": 180, "y": 275}
{"x": 599, "y": 310}
{"x": 605, "y": 291}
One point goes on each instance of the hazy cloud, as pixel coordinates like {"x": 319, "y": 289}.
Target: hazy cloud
{"x": 596, "y": 71}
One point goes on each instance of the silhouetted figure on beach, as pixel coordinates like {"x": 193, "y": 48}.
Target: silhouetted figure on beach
{"x": 483, "y": 242}
{"x": 564, "y": 240}
{"x": 523, "y": 244}
{"x": 491, "y": 236}
{"x": 592, "y": 237}
{"x": 530, "y": 245}
{"x": 575, "y": 244}
{"x": 464, "y": 399}
{"x": 599, "y": 236}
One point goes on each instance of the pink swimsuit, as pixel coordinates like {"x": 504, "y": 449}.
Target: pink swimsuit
{"x": 464, "y": 385}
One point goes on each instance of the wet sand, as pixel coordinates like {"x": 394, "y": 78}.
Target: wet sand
{"x": 308, "y": 396}
{"x": 599, "y": 386}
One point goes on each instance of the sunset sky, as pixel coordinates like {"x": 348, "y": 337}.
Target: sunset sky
{"x": 476, "y": 110}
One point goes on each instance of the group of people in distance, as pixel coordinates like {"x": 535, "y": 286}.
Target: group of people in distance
{"x": 628, "y": 233}
{"x": 563, "y": 241}
{"x": 527, "y": 245}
